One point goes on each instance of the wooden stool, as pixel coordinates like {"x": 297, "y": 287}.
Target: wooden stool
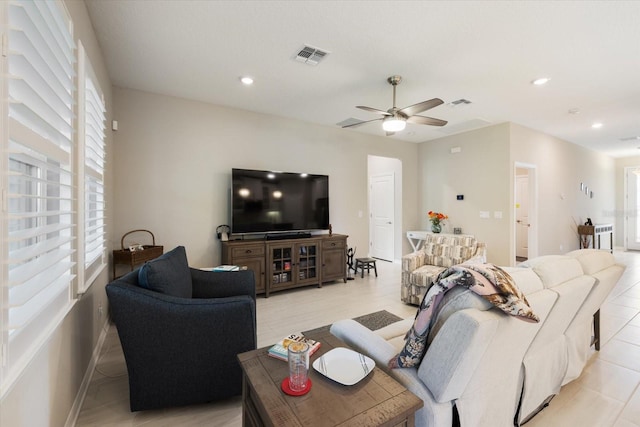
{"x": 365, "y": 263}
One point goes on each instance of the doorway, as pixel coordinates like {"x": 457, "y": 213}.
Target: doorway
{"x": 382, "y": 216}
{"x": 631, "y": 208}
{"x": 525, "y": 208}
{"x": 385, "y": 208}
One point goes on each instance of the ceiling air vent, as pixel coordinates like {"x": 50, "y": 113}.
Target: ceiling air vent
{"x": 460, "y": 103}
{"x": 630, "y": 138}
{"x": 310, "y": 55}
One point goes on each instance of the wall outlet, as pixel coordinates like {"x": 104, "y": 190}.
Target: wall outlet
{"x": 100, "y": 311}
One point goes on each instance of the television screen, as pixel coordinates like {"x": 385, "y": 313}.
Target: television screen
{"x": 265, "y": 201}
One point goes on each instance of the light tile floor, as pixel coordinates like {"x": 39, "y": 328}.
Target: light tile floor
{"x": 607, "y": 394}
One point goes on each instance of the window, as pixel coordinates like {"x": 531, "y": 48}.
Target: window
{"x": 38, "y": 229}
{"x": 91, "y": 162}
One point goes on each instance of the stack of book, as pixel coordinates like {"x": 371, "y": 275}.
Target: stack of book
{"x": 280, "y": 349}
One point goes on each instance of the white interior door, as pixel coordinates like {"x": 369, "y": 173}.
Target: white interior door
{"x": 522, "y": 216}
{"x": 382, "y": 215}
{"x": 632, "y": 208}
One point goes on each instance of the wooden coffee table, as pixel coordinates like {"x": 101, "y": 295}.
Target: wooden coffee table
{"x": 377, "y": 400}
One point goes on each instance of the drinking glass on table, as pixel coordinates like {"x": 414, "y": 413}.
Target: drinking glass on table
{"x": 298, "y": 355}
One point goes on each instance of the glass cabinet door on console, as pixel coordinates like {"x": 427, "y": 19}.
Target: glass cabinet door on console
{"x": 307, "y": 263}
{"x": 282, "y": 265}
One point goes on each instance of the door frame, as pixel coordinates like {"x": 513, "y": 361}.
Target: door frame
{"x": 377, "y": 165}
{"x": 371, "y": 222}
{"x": 532, "y": 171}
{"x": 627, "y": 170}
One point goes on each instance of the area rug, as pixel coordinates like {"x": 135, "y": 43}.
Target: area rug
{"x": 373, "y": 321}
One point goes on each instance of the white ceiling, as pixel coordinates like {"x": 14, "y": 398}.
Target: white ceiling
{"x": 484, "y": 51}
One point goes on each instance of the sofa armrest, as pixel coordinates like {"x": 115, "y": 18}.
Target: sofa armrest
{"x": 218, "y": 284}
{"x": 364, "y": 340}
{"x": 481, "y": 252}
{"x": 412, "y": 261}
{"x": 455, "y": 352}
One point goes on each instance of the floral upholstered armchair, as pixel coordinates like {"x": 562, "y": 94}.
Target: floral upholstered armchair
{"x": 439, "y": 251}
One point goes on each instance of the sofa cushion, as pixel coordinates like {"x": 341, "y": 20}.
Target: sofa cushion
{"x": 593, "y": 260}
{"x": 554, "y": 269}
{"x": 168, "y": 274}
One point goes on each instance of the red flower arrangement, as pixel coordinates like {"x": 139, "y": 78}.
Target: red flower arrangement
{"x": 436, "y": 217}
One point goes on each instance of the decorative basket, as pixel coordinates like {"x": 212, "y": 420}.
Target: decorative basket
{"x": 126, "y": 256}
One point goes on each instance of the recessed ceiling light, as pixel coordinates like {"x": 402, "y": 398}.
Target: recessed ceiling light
{"x": 246, "y": 80}
{"x": 541, "y": 81}
{"x": 596, "y": 125}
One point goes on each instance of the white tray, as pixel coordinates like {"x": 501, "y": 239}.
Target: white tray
{"x": 344, "y": 365}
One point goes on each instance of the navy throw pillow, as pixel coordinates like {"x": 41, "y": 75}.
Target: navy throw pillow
{"x": 168, "y": 274}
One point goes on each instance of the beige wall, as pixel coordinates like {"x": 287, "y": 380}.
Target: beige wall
{"x": 483, "y": 171}
{"x": 480, "y": 172}
{"x": 174, "y": 159}
{"x": 45, "y": 392}
{"x": 560, "y": 169}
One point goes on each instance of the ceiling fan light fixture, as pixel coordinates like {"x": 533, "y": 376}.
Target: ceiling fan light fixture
{"x": 393, "y": 124}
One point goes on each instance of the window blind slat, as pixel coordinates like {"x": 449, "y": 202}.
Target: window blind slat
{"x": 38, "y": 268}
{"x": 21, "y": 255}
{"x": 27, "y": 104}
{"x": 26, "y": 141}
{"x": 20, "y": 316}
{"x": 29, "y": 233}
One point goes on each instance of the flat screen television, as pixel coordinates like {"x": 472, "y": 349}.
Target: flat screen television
{"x": 268, "y": 201}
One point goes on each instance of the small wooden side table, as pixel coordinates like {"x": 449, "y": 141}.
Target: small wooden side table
{"x": 594, "y": 231}
{"x": 377, "y": 400}
{"x": 133, "y": 258}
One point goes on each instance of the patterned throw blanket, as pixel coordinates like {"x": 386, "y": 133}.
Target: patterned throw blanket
{"x": 487, "y": 280}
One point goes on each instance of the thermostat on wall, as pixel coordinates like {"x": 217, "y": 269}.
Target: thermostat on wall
{"x": 460, "y": 197}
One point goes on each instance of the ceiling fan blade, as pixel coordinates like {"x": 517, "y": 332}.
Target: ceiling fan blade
{"x": 420, "y": 107}
{"x": 373, "y": 110}
{"x": 360, "y": 123}
{"x": 421, "y": 120}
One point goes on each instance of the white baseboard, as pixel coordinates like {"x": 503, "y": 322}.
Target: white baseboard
{"x": 88, "y": 375}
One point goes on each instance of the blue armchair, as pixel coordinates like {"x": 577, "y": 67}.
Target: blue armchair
{"x": 182, "y": 350}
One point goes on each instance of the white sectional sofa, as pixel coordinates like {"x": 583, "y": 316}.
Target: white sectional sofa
{"x": 490, "y": 369}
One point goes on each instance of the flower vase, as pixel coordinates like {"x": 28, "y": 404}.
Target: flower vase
{"x": 436, "y": 228}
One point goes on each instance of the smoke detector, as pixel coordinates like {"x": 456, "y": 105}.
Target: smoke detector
{"x": 310, "y": 55}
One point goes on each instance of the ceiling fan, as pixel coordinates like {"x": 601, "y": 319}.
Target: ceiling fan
{"x": 395, "y": 119}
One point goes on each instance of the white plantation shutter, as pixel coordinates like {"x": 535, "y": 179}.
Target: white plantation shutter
{"x": 91, "y": 148}
{"x": 38, "y": 218}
